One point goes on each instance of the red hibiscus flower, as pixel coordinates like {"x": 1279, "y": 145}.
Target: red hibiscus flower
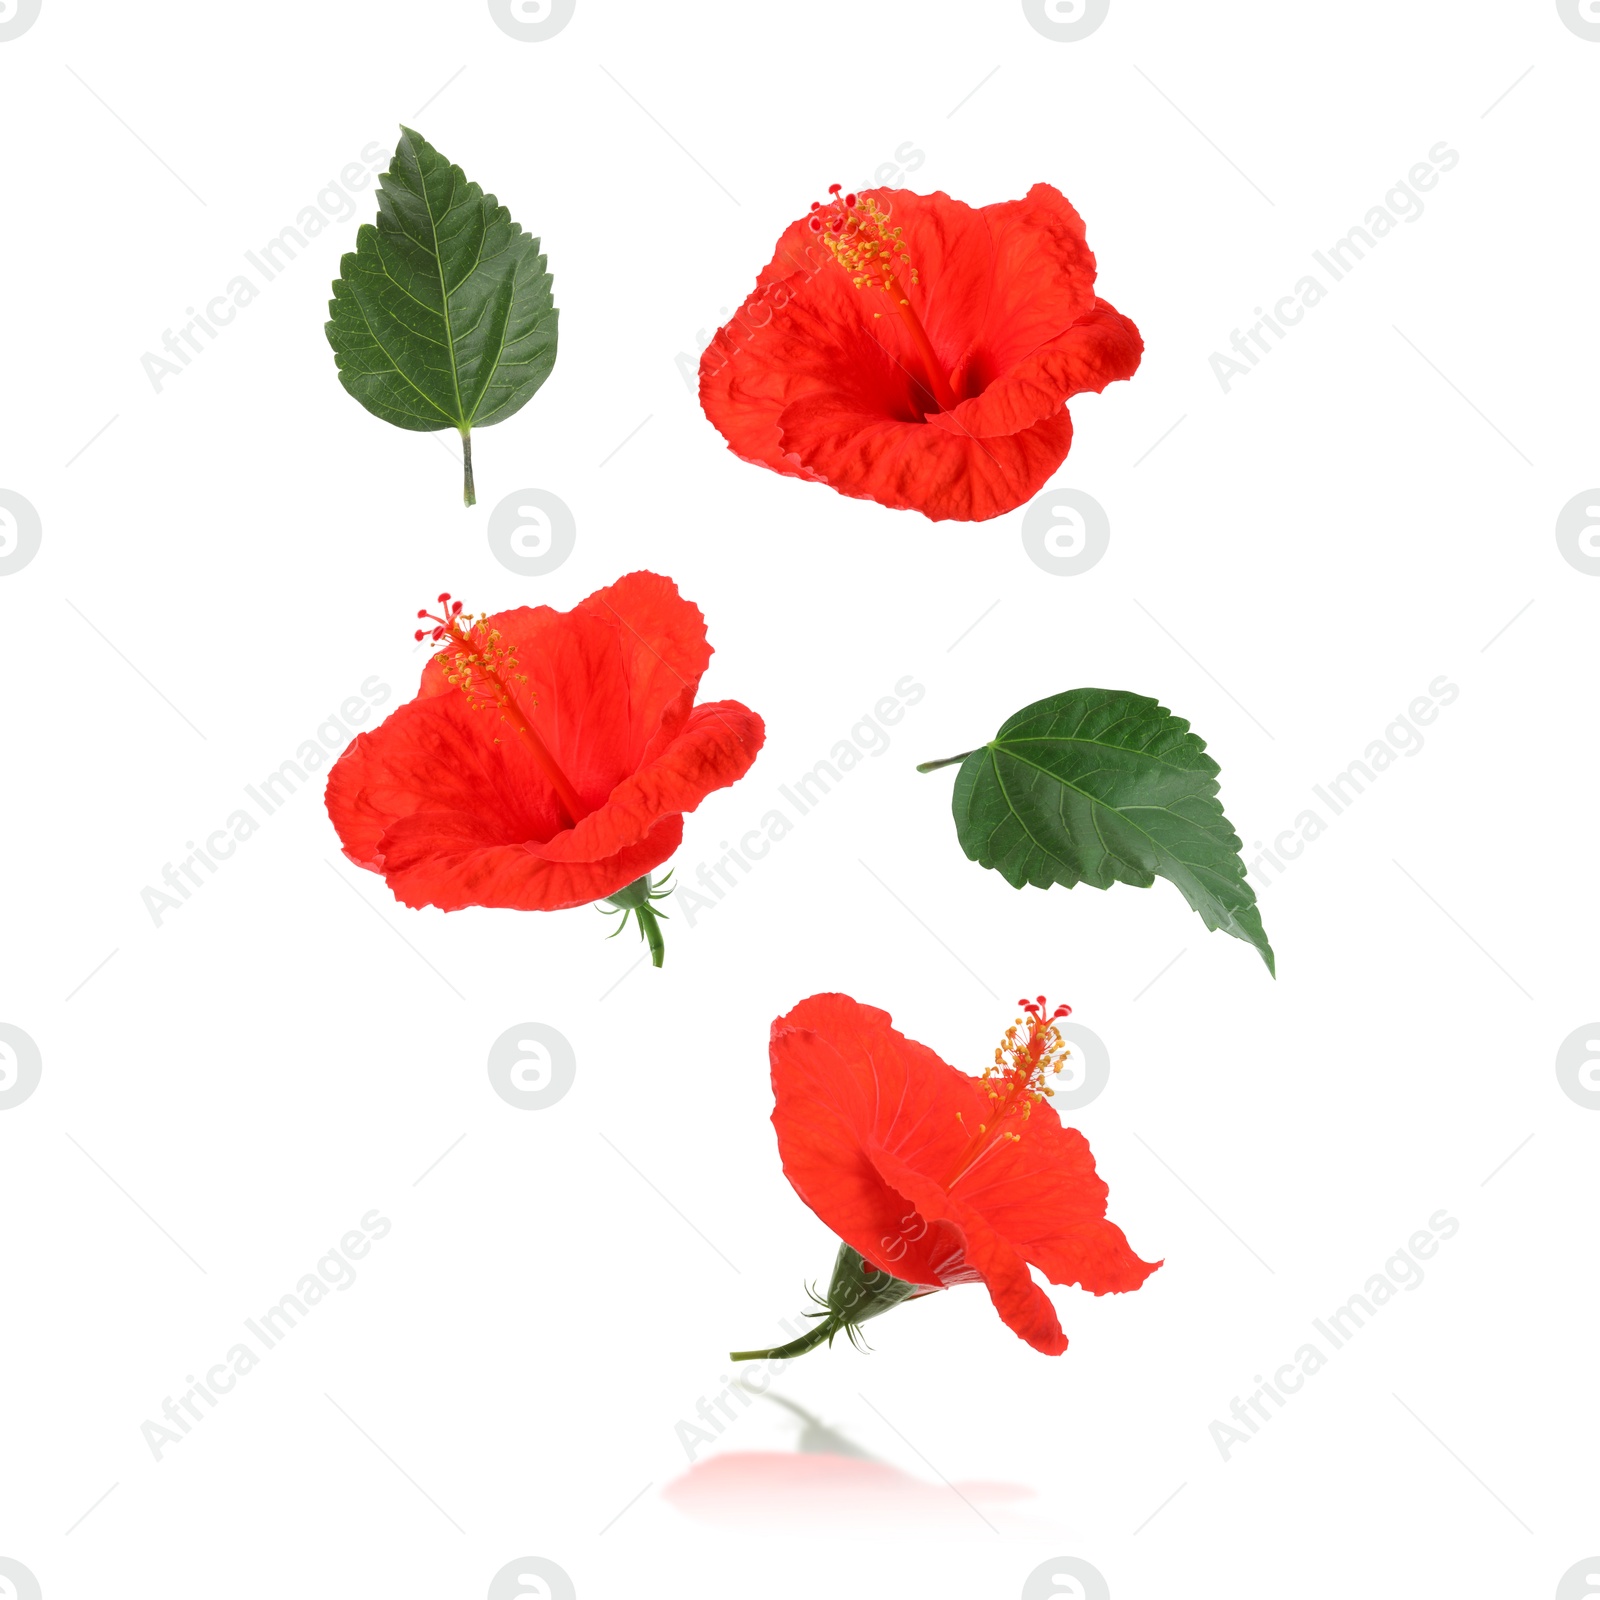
{"x": 548, "y": 757}
{"x": 932, "y": 1177}
{"x": 912, "y": 350}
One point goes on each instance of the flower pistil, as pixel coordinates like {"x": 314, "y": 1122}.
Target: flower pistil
{"x": 1030, "y": 1053}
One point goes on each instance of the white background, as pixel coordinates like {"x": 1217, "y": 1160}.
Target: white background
{"x": 1289, "y": 568}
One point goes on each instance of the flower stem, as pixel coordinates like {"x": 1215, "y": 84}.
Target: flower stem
{"x": 469, "y": 491}
{"x": 650, "y": 926}
{"x": 948, "y": 761}
{"x": 822, "y": 1333}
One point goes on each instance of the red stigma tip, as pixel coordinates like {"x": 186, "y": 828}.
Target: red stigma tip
{"x": 1036, "y": 1009}
{"x": 418, "y": 634}
{"x": 849, "y": 199}
{"x": 833, "y": 188}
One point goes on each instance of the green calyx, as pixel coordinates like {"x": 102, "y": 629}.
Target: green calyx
{"x": 635, "y": 901}
{"x": 857, "y": 1293}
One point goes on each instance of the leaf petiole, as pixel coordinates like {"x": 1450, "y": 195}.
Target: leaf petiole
{"x": 469, "y": 490}
{"x": 948, "y": 761}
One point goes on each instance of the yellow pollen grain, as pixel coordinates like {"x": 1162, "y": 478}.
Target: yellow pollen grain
{"x": 864, "y": 242}
{"x": 479, "y": 665}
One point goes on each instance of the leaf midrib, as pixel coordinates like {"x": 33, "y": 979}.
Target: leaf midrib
{"x": 1099, "y": 744}
{"x": 444, "y": 292}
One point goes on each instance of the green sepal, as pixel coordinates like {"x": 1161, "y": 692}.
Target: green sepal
{"x": 857, "y": 1293}
{"x": 635, "y": 900}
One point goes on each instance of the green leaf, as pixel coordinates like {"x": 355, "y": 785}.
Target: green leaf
{"x": 442, "y": 317}
{"x": 1100, "y": 786}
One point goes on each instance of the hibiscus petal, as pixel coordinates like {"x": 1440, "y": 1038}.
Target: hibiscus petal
{"x": 807, "y": 330}
{"x": 446, "y": 860}
{"x": 1041, "y": 281}
{"x": 431, "y": 778}
{"x": 438, "y": 755}
{"x": 662, "y": 644}
{"x": 1101, "y": 348}
{"x": 1043, "y": 1194}
{"x": 843, "y": 1078}
{"x": 797, "y": 339}
{"x": 715, "y": 748}
{"x": 946, "y": 474}
{"x": 952, "y": 249}
{"x": 1023, "y": 1306}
